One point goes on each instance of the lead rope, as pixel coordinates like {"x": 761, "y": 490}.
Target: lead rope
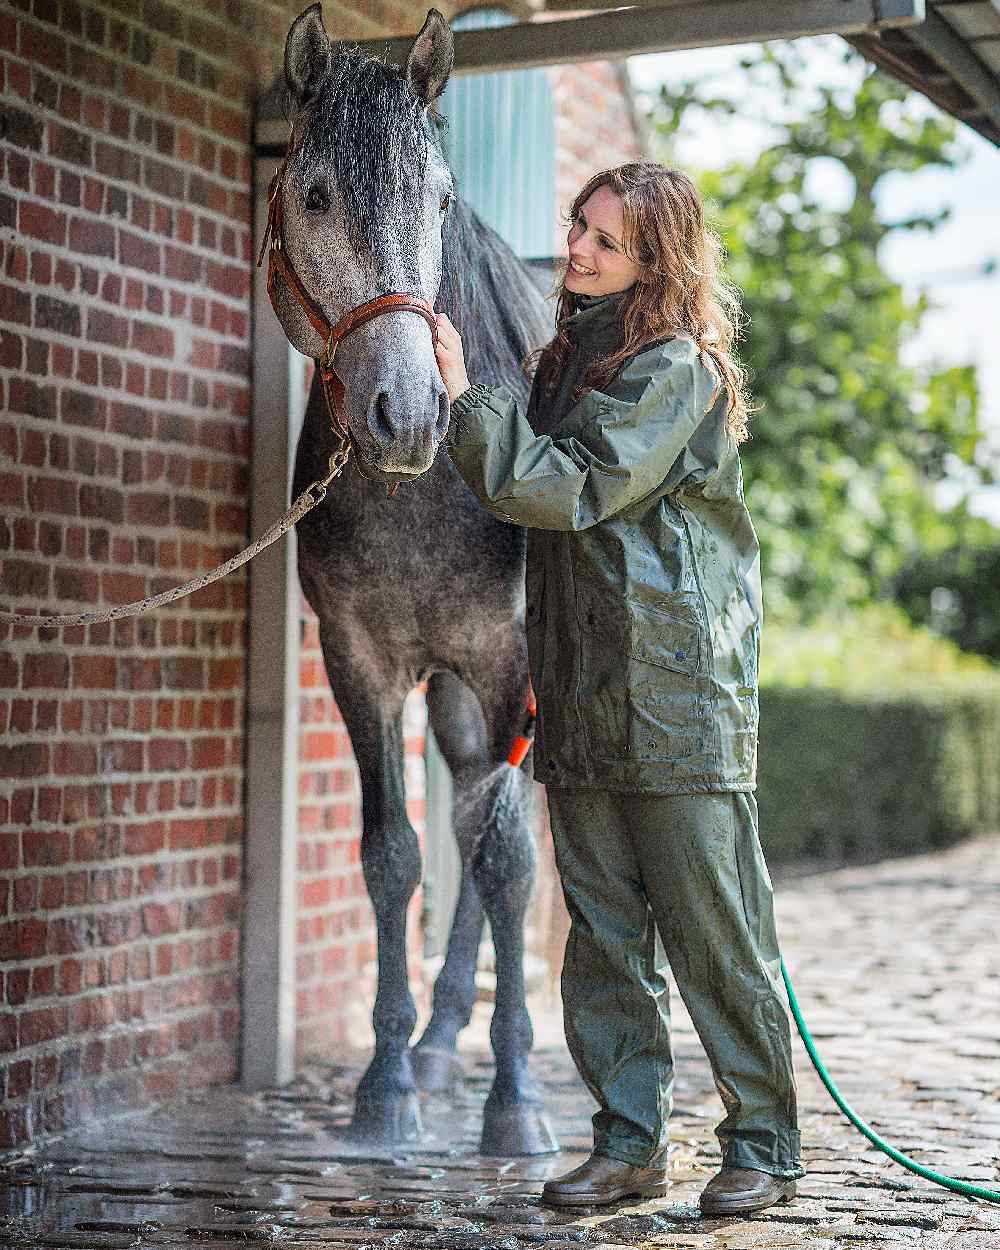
{"x": 313, "y": 494}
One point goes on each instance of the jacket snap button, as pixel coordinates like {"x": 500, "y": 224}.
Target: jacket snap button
{"x": 680, "y": 655}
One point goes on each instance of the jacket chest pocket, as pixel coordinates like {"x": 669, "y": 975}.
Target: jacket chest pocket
{"x": 665, "y": 638}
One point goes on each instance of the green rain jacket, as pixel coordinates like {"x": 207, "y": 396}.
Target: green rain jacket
{"x": 643, "y": 597}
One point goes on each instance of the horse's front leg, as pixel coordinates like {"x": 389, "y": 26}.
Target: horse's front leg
{"x": 386, "y": 1107}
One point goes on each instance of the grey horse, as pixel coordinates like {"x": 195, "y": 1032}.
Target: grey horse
{"x": 426, "y": 584}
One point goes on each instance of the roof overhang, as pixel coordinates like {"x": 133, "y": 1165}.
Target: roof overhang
{"x": 554, "y": 38}
{"x": 953, "y": 58}
{"x": 947, "y": 49}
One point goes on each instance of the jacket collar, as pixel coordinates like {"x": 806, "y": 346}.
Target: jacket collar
{"x": 593, "y": 311}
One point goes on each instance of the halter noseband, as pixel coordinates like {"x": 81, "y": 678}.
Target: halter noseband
{"x": 280, "y": 263}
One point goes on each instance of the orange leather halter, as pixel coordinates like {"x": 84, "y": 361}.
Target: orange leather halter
{"x": 280, "y": 263}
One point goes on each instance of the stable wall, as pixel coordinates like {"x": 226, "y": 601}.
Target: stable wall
{"x": 124, "y": 443}
{"x": 597, "y": 126}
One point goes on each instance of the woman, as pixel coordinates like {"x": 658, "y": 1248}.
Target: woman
{"x": 643, "y": 618}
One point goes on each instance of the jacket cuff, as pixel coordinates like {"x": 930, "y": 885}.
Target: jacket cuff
{"x": 469, "y": 399}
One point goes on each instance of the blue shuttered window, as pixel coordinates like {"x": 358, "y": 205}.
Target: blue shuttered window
{"x": 501, "y": 144}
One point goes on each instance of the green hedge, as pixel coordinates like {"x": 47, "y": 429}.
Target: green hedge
{"x": 877, "y": 738}
{"x": 846, "y": 777}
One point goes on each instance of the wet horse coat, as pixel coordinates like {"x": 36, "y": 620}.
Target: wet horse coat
{"x": 426, "y": 584}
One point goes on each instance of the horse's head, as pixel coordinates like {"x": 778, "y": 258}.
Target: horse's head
{"x": 362, "y": 201}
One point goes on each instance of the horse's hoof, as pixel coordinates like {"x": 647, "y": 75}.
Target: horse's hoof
{"x": 520, "y": 1128}
{"x": 435, "y": 1069}
{"x": 387, "y": 1122}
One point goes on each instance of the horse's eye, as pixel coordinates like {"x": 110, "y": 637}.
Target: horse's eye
{"x": 316, "y": 200}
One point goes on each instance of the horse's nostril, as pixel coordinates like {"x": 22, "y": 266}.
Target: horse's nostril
{"x": 378, "y": 420}
{"x": 409, "y": 424}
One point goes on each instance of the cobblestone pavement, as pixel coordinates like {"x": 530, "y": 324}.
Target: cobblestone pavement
{"x": 897, "y": 968}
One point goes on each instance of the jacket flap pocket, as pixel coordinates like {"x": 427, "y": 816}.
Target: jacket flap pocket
{"x": 658, "y": 637}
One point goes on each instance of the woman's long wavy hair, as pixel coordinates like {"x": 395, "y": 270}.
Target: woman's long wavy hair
{"x": 680, "y": 291}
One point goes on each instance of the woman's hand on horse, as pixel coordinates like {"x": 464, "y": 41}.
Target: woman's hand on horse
{"x": 451, "y": 357}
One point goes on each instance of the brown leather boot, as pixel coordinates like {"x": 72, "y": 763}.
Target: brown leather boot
{"x": 742, "y": 1191}
{"x": 599, "y": 1180}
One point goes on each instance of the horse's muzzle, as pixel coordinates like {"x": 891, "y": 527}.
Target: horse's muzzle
{"x": 404, "y": 435}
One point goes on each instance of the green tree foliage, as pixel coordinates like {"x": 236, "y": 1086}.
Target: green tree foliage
{"x": 848, "y": 442}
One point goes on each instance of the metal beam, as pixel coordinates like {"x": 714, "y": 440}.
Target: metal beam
{"x": 582, "y": 8}
{"x": 666, "y": 28}
{"x": 268, "y": 997}
{"x": 938, "y": 40}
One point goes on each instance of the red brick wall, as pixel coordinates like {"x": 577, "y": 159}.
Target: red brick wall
{"x": 123, "y": 447}
{"x": 124, "y": 318}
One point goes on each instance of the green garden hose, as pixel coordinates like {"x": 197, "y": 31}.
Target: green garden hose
{"x": 949, "y": 1182}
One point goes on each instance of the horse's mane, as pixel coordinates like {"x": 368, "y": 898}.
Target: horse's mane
{"x": 492, "y": 297}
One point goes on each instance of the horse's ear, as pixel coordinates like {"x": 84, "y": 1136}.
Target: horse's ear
{"x": 429, "y": 62}
{"x": 308, "y": 55}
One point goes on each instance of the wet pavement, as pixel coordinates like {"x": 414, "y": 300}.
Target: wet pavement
{"x": 897, "y": 968}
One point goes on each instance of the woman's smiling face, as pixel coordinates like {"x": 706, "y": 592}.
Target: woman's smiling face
{"x": 597, "y": 261}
